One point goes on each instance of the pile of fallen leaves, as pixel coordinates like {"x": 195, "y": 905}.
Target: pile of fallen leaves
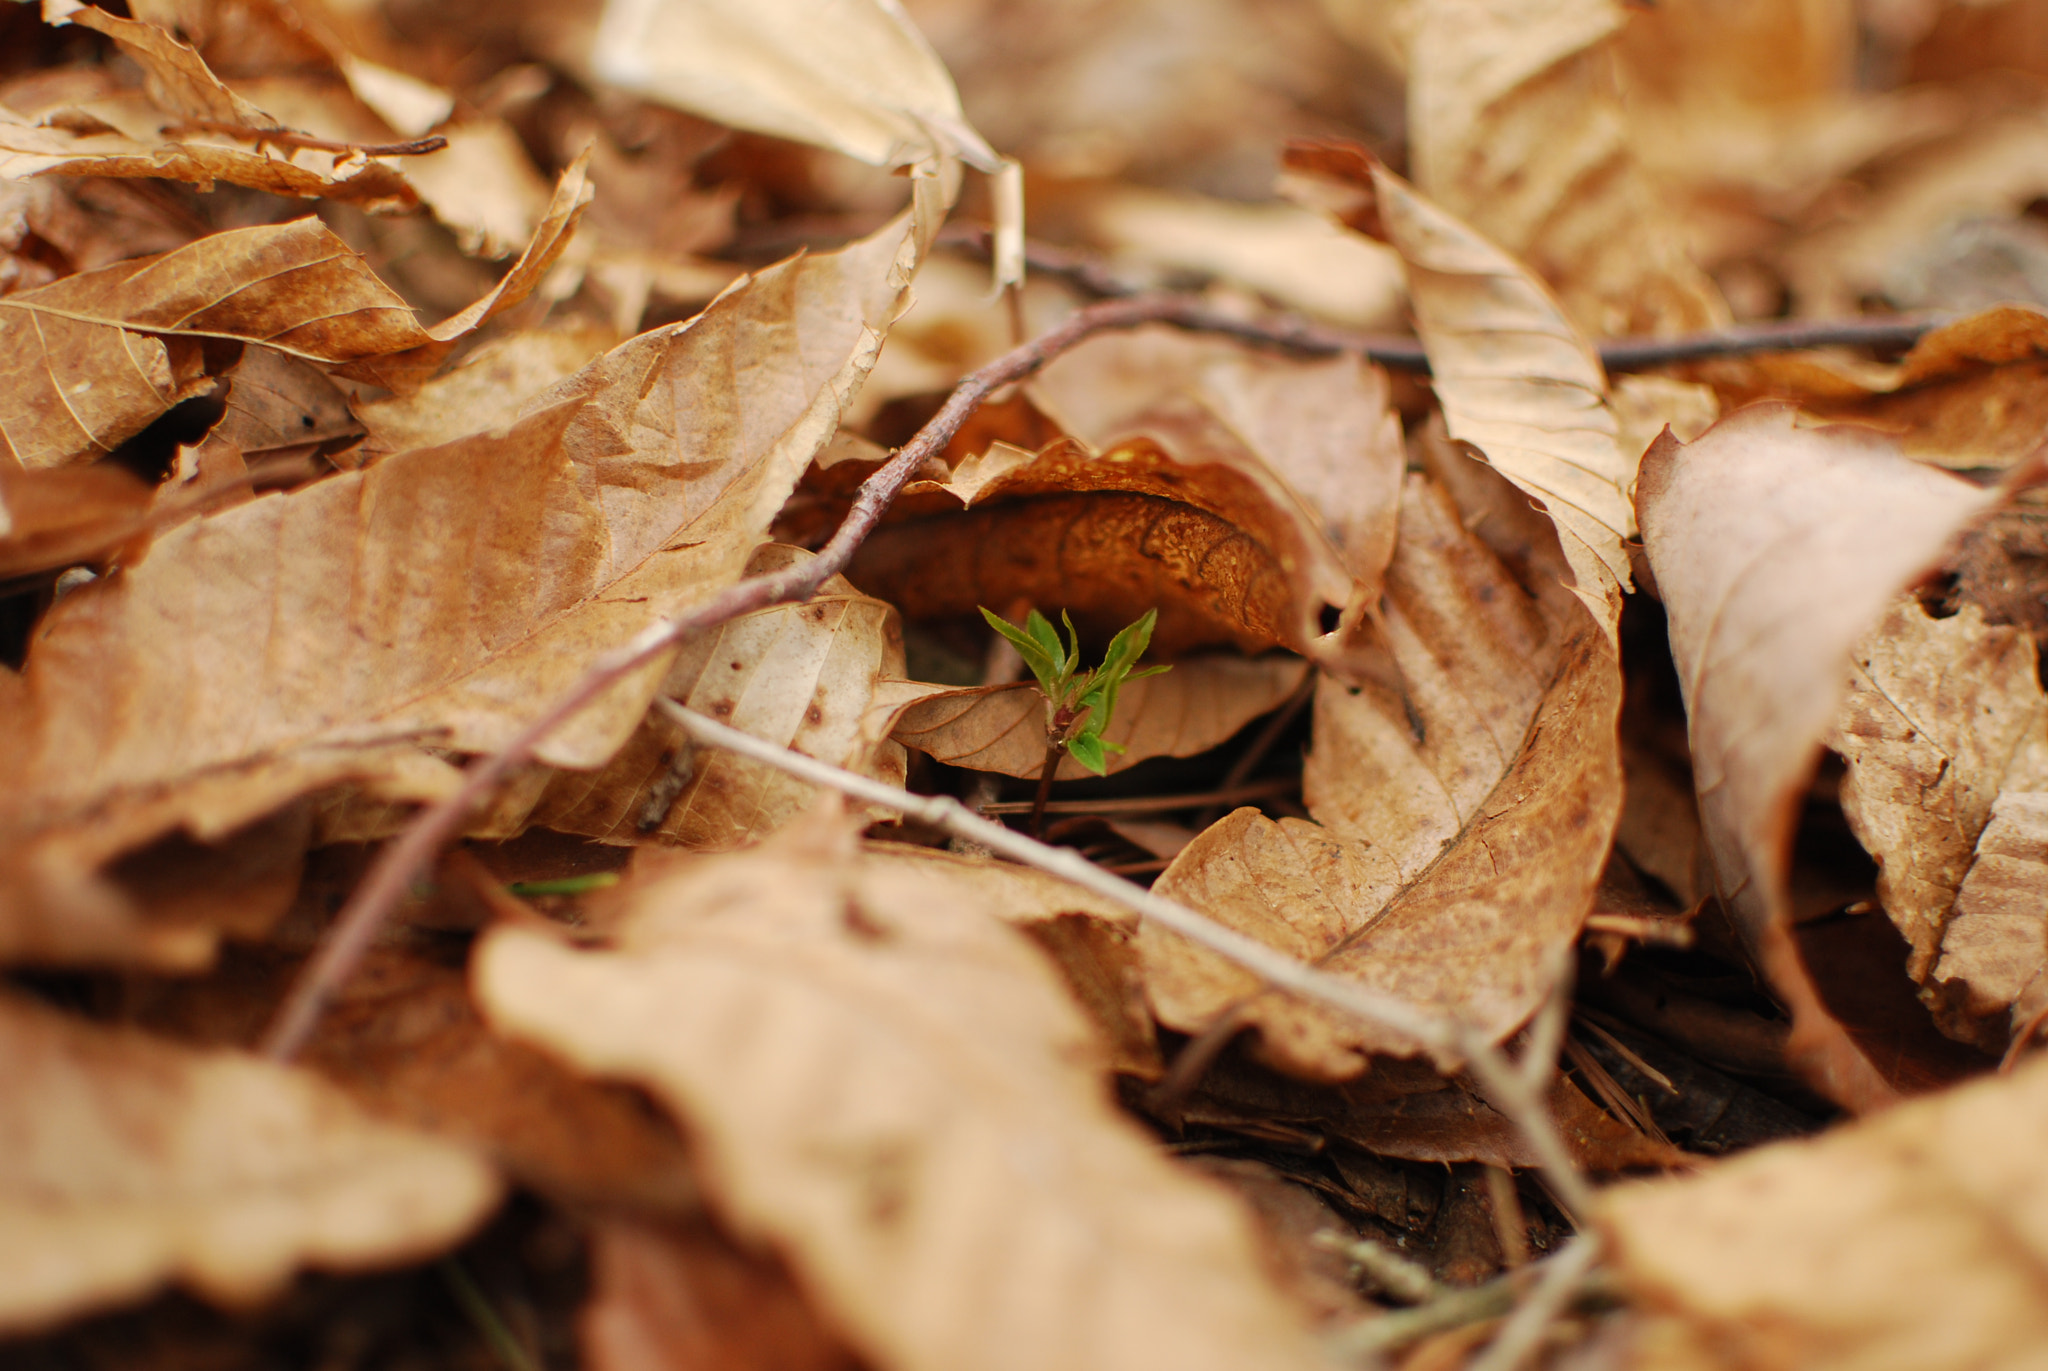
{"x": 1592, "y": 512}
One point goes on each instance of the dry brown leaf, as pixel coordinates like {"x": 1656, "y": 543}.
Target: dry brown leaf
{"x": 93, "y": 358}
{"x": 1516, "y": 380}
{"x": 1944, "y": 720}
{"x": 1465, "y": 814}
{"x": 1238, "y": 495}
{"x": 51, "y": 519}
{"x": 1517, "y": 125}
{"x": 802, "y": 676}
{"x": 897, "y": 1095}
{"x": 1774, "y": 548}
{"x": 857, "y": 79}
{"x": 682, "y": 1298}
{"x": 485, "y": 390}
{"x": 305, "y": 639}
{"x": 130, "y": 1162}
{"x": 1202, "y": 702}
{"x": 1912, "y": 1240}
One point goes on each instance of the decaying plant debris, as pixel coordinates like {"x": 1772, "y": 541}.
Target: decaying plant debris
{"x": 512, "y": 840}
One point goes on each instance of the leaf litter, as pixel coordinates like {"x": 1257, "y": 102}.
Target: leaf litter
{"x": 1638, "y": 817}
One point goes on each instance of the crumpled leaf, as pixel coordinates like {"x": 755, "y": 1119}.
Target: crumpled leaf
{"x": 305, "y": 639}
{"x": 1914, "y": 1239}
{"x": 1464, "y": 814}
{"x": 803, "y": 676}
{"x": 1516, "y": 380}
{"x": 90, "y": 360}
{"x": 879, "y": 1085}
{"x": 1202, "y": 702}
{"x": 1517, "y": 125}
{"x": 51, "y": 519}
{"x": 130, "y": 1162}
{"x": 1945, "y": 726}
{"x": 1774, "y": 548}
{"x": 486, "y": 389}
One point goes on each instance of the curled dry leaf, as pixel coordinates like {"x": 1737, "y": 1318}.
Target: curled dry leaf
{"x": 1516, "y": 380}
{"x": 802, "y": 676}
{"x": 304, "y": 639}
{"x": 1465, "y": 814}
{"x": 1199, "y": 704}
{"x": 90, "y": 360}
{"x": 1945, "y": 732}
{"x": 898, "y": 1095}
{"x": 53, "y": 519}
{"x": 130, "y": 1162}
{"x": 1775, "y": 547}
{"x": 487, "y": 389}
{"x": 1237, "y": 495}
{"x": 1914, "y": 1239}
{"x": 1516, "y": 124}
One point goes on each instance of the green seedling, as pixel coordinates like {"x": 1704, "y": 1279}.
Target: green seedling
{"x": 1078, "y": 704}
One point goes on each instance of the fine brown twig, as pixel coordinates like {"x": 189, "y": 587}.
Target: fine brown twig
{"x": 292, "y": 138}
{"x": 1517, "y": 1090}
{"x": 1092, "y": 277}
{"x": 407, "y": 855}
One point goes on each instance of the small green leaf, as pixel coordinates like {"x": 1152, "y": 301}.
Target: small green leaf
{"x": 1045, "y": 667}
{"x": 1087, "y": 750}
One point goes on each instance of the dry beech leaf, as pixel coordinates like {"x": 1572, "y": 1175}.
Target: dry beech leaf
{"x": 1238, "y": 496}
{"x": 1202, "y": 702}
{"x": 304, "y": 639}
{"x": 1775, "y": 547}
{"x": 1515, "y": 379}
{"x": 1945, "y": 726}
{"x": 129, "y": 1162}
{"x": 684, "y": 1297}
{"x": 1464, "y": 815}
{"x": 90, "y": 360}
{"x": 859, "y": 79}
{"x": 173, "y": 73}
{"x": 1516, "y": 124}
{"x": 802, "y": 676}
{"x": 882, "y": 1086}
{"x": 51, "y": 519}
{"x": 485, "y": 390}
{"x": 1914, "y": 1239}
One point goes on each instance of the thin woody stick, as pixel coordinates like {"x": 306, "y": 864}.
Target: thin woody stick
{"x": 1510, "y": 1088}
{"x": 355, "y": 929}
{"x": 1091, "y": 276}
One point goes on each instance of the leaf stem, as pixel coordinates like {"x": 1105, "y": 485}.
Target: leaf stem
{"x": 404, "y": 857}
{"x": 1053, "y": 752}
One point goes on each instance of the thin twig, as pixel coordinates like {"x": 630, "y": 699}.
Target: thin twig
{"x": 1889, "y": 333}
{"x": 1458, "y": 1308}
{"x": 1154, "y": 804}
{"x": 292, "y": 138}
{"x": 1558, "y": 1282}
{"x": 1046, "y": 771}
{"x": 1403, "y": 1278}
{"x": 355, "y": 929}
{"x": 1506, "y": 1086}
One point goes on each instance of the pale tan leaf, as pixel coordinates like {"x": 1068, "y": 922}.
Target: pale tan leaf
{"x": 129, "y": 1162}
{"x": 485, "y": 390}
{"x": 1515, "y": 378}
{"x": 896, "y": 1094}
{"x": 481, "y": 185}
{"x": 1775, "y": 547}
{"x": 1202, "y": 702}
{"x": 1912, "y": 1240}
{"x": 1281, "y": 251}
{"x": 802, "y": 676}
{"x": 858, "y": 78}
{"x": 1935, "y": 730}
{"x": 1465, "y": 811}
{"x": 301, "y": 635}
{"x": 1517, "y": 125}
